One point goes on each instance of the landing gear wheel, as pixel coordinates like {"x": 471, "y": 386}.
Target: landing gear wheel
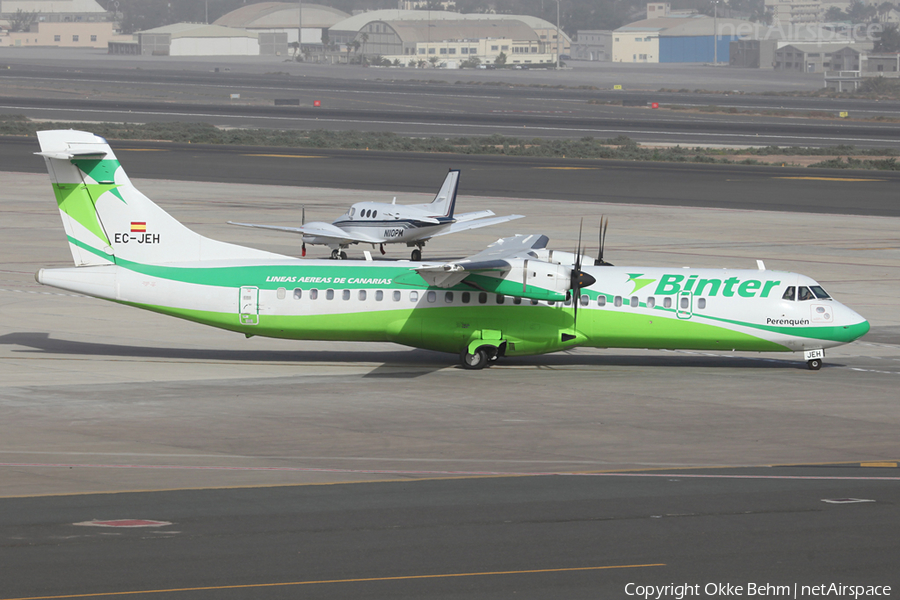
{"x": 479, "y": 360}
{"x": 814, "y": 364}
{"x": 416, "y": 255}
{"x": 343, "y": 255}
{"x": 335, "y": 254}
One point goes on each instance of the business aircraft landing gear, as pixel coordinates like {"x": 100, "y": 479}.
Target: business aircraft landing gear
{"x": 338, "y": 255}
{"x": 416, "y": 255}
{"x": 815, "y": 364}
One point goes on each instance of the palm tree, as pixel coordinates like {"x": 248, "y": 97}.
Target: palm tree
{"x": 364, "y": 38}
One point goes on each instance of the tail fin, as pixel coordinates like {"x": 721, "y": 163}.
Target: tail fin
{"x": 107, "y": 220}
{"x": 445, "y": 202}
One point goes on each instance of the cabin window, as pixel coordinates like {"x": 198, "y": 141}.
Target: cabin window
{"x": 685, "y": 302}
{"x": 298, "y": 293}
{"x": 601, "y": 300}
{"x": 329, "y": 294}
{"x": 551, "y": 303}
{"x": 482, "y": 297}
{"x": 345, "y": 294}
{"x": 701, "y": 303}
{"x": 635, "y": 302}
{"x": 432, "y": 297}
{"x": 651, "y": 302}
{"x": 466, "y": 296}
{"x": 517, "y": 300}
{"x": 617, "y": 301}
{"x": 374, "y": 213}
{"x": 803, "y": 293}
{"x": 414, "y": 296}
{"x": 396, "y": 295}
{"x": 448, "y": 297}
{"x": 667, "y": 302}
{"x": 362, "y": 295}
{"x": 501, "y": 299}
{"x": 819, "y": 292}
{"x": 585, "y": 299}
{"x": 788, "y": 293}
{"x": 280, "y": 292}
{"x": 379, "y": 295}
{"x": 313, "y": 294}
{"x": 568, "y": 300}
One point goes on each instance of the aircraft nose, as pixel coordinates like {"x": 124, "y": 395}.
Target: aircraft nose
{"x": 853, "y": 325}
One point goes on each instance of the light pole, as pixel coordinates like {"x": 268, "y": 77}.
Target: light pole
{"x": 557, "y": 35}
{"x": 716, "y": 32}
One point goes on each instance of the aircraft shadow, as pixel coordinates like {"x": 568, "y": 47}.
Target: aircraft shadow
{"x": 400, "y": 363}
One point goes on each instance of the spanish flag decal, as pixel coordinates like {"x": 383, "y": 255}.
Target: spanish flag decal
{"x": 138, "y": 227}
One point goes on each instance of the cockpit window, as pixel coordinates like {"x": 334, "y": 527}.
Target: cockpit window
{"x": 819, "y": 292}
{"x": 788, "y": 293}
{"x": 352, "y": 212}
{"x": 803, "y": 293}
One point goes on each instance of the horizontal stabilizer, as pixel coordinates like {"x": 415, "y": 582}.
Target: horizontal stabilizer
{"x": 509, "y": 266}
{"x": 480, "y": 214}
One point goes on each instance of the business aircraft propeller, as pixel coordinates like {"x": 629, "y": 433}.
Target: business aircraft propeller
{"x": 578, "y": 279}
{"x": 599, "y": 262}
{"x": 303, "y": 222}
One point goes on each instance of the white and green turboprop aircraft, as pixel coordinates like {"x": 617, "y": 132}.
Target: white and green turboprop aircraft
{"x": 515, "y": 298}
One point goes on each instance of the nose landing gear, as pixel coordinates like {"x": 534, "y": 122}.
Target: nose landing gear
{"x": 814, "y": 359}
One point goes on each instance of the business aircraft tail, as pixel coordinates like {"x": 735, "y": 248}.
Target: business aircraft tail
{"x": 107, "y": 220}
{"x": 444, "y": 202}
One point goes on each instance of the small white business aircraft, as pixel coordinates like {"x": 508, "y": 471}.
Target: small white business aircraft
{"x": 515, "y": 298}
{"x": 379, "y": 223}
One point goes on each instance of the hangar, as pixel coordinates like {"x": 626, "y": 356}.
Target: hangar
{"x": 284, "y": 17}
{"x": 677, "y": 39}
{"x": 402, "y": 34}
{"x": 191, "y": 39}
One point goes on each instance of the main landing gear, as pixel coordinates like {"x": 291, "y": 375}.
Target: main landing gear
{"x": 814, "y": 364}
{"x": 416, "y": 254}
{"x": 338, "y": 254}
{"x": 481, "y": 358}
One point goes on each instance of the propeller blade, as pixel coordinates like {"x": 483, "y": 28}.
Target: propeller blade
{"x": 604, "y": 224}
{"x": 303, "y": 215}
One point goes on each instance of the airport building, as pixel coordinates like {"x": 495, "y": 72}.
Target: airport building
{"x": 592, "y": 45}
{"x": 57, "y": 23}
{"x": 56, "y": 11}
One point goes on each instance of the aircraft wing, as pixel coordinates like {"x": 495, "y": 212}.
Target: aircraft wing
{"x": 475, "y": 224}
{"x": 320, "y": 230}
